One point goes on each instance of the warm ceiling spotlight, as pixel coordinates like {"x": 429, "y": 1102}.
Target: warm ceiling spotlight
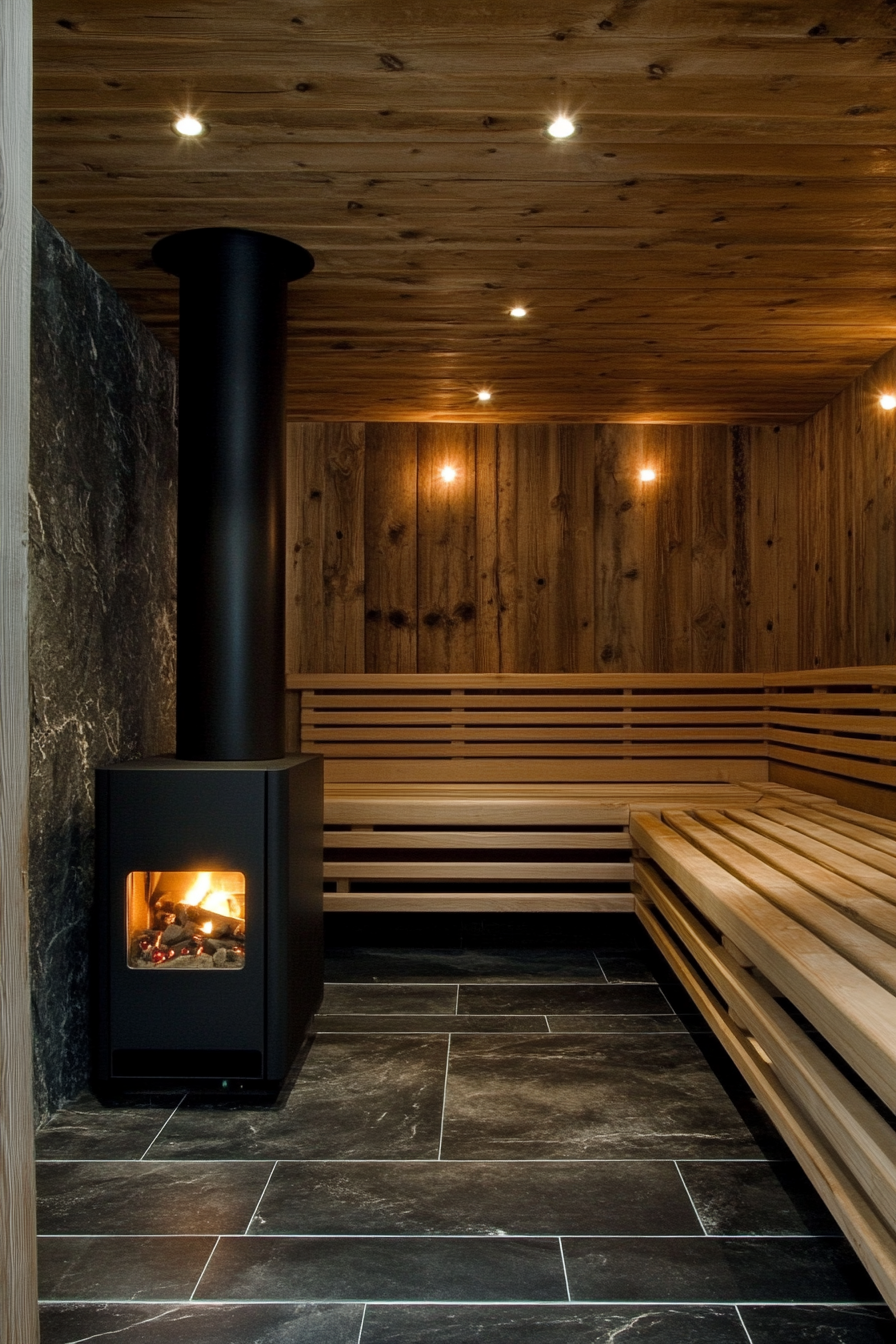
{"x": 189, "y": 126}
{"x": 888, "y": 402}
{"x": 448, "y": 474}
{"x": 562, "y": 128}
{"x": 647, "y": 474}
{"x": 484, "y": 396}
{"x": 518, "y": 312}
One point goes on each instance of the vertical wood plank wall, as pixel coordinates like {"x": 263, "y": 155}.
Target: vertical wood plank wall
{"x": 847, "y": 527}
{"x": 757, "y": 548}
{"x": 546, "y": 553}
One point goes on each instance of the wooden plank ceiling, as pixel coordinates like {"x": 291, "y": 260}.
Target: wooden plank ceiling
{"x": 714, "y": 244}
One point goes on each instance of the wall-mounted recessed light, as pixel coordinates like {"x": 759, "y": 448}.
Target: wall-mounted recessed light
{"x": 562, "y": 128}
{"x": 518, "y": 312}
{"x": 448, "y": 474}
{"x": 483, "y": 395}
{"x": 888, "y": 402}
{"x": 647, "y": 474}
{"x": 189, "y": 126}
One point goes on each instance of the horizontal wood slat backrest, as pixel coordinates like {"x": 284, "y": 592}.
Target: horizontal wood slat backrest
{"x": 533, "y": 727}
{"x": 840, "y": 722}
{"x": 505, "y": 728}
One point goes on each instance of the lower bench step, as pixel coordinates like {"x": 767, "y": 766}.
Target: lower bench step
{"x": 615, "y": 902}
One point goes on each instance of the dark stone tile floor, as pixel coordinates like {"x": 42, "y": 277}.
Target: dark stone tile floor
{"x": 483, "y": 1147}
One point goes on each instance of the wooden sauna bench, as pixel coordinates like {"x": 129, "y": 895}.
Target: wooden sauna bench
{"x": 512, "y": 792}
{"x": 791, "y": 905}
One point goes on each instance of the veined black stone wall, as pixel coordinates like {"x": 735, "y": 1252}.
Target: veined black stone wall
{"x": 102, "y": 571}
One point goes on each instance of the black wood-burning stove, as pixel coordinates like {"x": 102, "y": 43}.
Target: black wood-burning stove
{"x": 209, "y": 963}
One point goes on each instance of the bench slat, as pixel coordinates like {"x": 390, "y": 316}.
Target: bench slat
{"x": 386, "y": 773}
{"x": 870, "y": 878}
{"x": 879, "y": 700}
{"x": 452, "y": 871}
{"x": 882, "y": 750}
{"x": 551, "y": 750}
{"x": 847, "y": 896}
{"x": 828, "y": 835}
{"x": 463, "y": 734}
{"x": 853, "y": 1011}
{"x": 487, "y": 902}
{"x": 324, "y": 718}
{"x": 878, "y": 824}
{"x": 477, "y": 839}
{"x": 847, "y": 828}
{"x": 883, "y": 724}
{"x": 860, "y": 946}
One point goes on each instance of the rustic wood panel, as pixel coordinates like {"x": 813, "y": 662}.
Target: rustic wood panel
{"x": 446, "y": 549}
{"x": 488, "y": 597}
{"x": 305, "y": 482}
{"x": 390, "y": 549}
{"x": 713, "y": 245}
{"x": 18, "y": 1243}
{"x": 547, "y": 553}
{"x": 343, "y": 548}
{"x": 845, "y": 513}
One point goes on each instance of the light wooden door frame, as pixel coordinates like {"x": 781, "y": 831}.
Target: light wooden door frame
{"x": 18, "y": 1245}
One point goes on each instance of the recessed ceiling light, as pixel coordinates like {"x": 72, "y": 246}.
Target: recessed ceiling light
{"x": 484, "y": 396}
{"x": 189, "y": 126}
{"x": 888, "y": 402}
{"x": 448, "y": 474}
{"x": 518, "y": 312}
{"x": 562, "y": 128}
{"x": 647, "y": 474}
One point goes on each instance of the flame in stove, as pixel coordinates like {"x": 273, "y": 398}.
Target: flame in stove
{"x": 207, "y": 926}
{"x": 209, "y": 893}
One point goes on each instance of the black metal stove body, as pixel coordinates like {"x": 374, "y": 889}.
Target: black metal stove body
{"x": 222, "y": 999}
{"x": 209, "y": 873}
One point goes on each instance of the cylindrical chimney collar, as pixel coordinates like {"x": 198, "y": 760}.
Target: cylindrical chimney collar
{"x": 192, "y": 249}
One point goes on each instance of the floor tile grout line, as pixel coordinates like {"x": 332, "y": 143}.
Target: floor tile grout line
{"x": 486, "y": 984}
{"x": 204, "y": 1268}
{"x": 100, "y": 1161}
{"x": 547, "y": 1024}
{"x": 445, "y": 1236}
{"x": 457, "y": 1002}
{"x": 254, "y": 1213}
{"x": 444, "y": 1099}
{"x": 162, "y": 1130}
{"x": 743, "y": 1324}
{"x": 361, "y": 1326}
{"x": 690, "y": 1197}
{"x": 449, "y": 1302}
{"x": 563, "y": 1263}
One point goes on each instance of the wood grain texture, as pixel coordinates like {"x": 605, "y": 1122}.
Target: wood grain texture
{"x": 446, "y": 549}
{"x": 730, "y": 182}
{"x": 546, "y": 553}
{"x": 390, "y": 547}
{"x": 18, "y": 1244}
{"x": 845, "y": 514}
{"x": 842, "y": 1143}
{"x": 851, "y": 1010}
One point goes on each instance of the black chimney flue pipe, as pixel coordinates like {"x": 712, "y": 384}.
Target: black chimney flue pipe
{"x": 231, "y": 495}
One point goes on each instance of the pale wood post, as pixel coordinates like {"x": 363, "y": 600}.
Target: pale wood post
{"x": 18, "y": 1247}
